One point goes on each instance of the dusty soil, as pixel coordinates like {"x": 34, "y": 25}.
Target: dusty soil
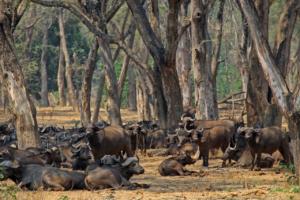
{"x": 215, "y": 182}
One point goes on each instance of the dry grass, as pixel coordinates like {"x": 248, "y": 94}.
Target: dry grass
{"x": 217, "y": 183}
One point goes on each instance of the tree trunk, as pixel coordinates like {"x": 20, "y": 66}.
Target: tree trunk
{"x": 126, "y": 62}
{"x": 98, "y": 96}
{"x": 68, "y": 70}
{"x": 215, "y": 58}
{"x": 183, "y": 61}
{"x": 281, "y": 51}
{"x": 44, "y": 74}
{"x": 29, "y": 31}
{"x": 258, "y": 94}
{"x": 164, "y": 58}
{"x": 274, "y": 77}
{"x": 113, "y": 101}
{"x": 143, "y": 98}
{"x": 198, "y": 23}
{"x": 132, "y": 106}
{"x": 13, "y": 81}
{"x": 87, "y": 84}
{"x": 61, "y": 78}
{"x": 160, "y": 105}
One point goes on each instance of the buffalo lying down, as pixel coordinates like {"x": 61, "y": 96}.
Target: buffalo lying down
{"x": 113, "y": 176}
{"x": 34, "y": 177}
{"x": 174, "y": 166}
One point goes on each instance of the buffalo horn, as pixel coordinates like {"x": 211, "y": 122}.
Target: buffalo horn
{"x": 129, "y": 160}
{"x": 197, "y": 154}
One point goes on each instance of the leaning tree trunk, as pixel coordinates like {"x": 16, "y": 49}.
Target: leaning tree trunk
{"x": 183, "y": 61}
{"x": 68, "y": 70}
{"x": 13, "y": 81}
{"x": 281, "y": 50}
{"x": 280, "y": 90}
{"x": 98, "y": 97}
{"x": 87, "y": 84}
{"x": 113, "y": 101}
{"x": 44, "y": 74}
{"x": 258, "y": 94}
{"x": 61, "y": 78}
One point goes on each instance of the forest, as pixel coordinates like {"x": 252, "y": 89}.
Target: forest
{"x": 196, "y": 99}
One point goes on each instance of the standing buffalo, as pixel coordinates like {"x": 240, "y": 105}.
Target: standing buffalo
{"x": 110, "y": 140}
{"x": 266, "y": 140}
{"x": 212, "y": 138}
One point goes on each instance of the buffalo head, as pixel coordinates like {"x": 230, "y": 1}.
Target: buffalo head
{"x": 182, "y": 136}
{"x": 132, "y": 165}
{"x": 251, "y": 135}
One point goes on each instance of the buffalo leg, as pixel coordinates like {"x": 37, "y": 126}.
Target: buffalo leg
{"x": 286, "y": 154}
{"x": 253, "y": 160}
{"x": 257, "y": 161}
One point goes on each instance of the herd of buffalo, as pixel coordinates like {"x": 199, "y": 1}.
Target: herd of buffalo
{"x": 105, "y": 156}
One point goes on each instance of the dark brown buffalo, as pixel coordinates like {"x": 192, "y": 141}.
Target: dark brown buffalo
{"x": 36, "y": 177}
{"x": 115, "y": 177}
{"x": 174, "y": 166}
{"x": 212, "y": 138}
{"x": 111, "y": 140}
{"x": 138, "y": 137}
{"x": 266, "y": 140}
{"x": 28, "y": 156}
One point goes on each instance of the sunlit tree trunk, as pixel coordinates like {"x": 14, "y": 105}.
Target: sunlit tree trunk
{"x": 99, "y": 95}
{"x": 72, "y": 98}
{"x": 113, "y": 101}
{"x": 43, "y": 71}
{"x": 61, "y": 78}
{"x": 183, "y": 60}
{"x": 87, "y": 84}
{"x": 13, "y": 79}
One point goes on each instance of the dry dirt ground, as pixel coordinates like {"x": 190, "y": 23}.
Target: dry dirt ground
{"x": 215, "y": 182}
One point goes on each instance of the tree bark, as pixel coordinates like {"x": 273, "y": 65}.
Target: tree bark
{"x": 183, "y": 61}
{"x": 113, "y": 101}
{"x": 87, "y": 84}
{"x": 44, "y": 74}
{"x": 258, "y": 93}
{"x": 280, "y": 90}
{"x": 132, "y": 106}
{"x": 164, "y": 58}
{"x": 98, "y": 96}
{"x": 68, "y": 70}
{"x": 126, "y": 62}
{"x": 13, "y": 79}
{"x": 61, "y": 77}
{"x": 198, "y": 24}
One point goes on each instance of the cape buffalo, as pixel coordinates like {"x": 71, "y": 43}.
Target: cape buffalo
{"x": 113, "y": 176}
{"x": 174, "y": 166}
{"x": 110, "y": 140}
{"x": 266, "y": 140}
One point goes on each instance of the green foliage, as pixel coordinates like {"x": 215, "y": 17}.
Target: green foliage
{"x": 293, "y": 189}
{"x": 63, "y": 197}
{"x": 228, "y": 80}
{"x": 8, "y": 192}
{"x": 289, "y": 167}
